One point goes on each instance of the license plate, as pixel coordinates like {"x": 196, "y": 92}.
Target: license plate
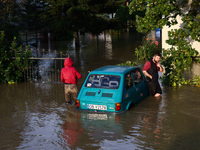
{"x": 97, "y": 107}
{"x": 97, "y": 116}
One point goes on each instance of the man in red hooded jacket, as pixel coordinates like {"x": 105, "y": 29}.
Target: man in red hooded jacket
{"x": 69, "y": 76}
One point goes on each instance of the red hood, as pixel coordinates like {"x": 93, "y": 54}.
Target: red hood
{"x": 68, "y": 62}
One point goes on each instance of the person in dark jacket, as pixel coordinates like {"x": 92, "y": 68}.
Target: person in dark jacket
{"x": 151, "y": 69}
{"x": 69, "y": 76}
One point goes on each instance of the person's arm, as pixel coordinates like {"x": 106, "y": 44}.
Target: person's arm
{"x": 61, "y": 77}
{"x": 147, "y": 66}
{"x": 160, "y": 67}
{"x": 147, "y": 74}
{"x": 78, "y": 75}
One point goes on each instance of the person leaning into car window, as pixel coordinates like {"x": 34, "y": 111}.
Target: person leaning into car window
{"x": 151, "y": 69}
{"x": 69, "y": 76}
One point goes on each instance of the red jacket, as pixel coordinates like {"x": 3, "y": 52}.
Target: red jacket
{"x": 69, "y": 74}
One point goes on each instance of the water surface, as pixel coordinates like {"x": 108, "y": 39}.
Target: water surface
{"x": 34, "y": 115}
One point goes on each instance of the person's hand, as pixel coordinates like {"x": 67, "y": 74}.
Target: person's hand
{"x": 159, "y": 65}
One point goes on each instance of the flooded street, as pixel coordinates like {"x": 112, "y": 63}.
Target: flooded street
{"x": 33, "y": 116}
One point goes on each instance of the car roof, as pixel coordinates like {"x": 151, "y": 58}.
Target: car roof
{"x": 113, "y": 69}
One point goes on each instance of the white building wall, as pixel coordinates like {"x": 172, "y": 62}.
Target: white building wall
{"x": 180, "y": 24}
{"x": 195, "y": 70}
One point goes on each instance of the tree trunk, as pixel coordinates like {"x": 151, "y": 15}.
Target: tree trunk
{"x": 77, "y": 42}
{"x": 36, "y": 39}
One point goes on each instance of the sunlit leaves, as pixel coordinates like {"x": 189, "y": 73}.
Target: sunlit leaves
{"x": 196, "y": 81}
{"x": 178, "y": 58}
{"x": 128, "y": 63}
{"x": 192, "y": 24}
{"x": 157, "y": 14}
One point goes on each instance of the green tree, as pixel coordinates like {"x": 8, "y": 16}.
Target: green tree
{"x": 158, "y": 13}
{"x": 31, "y": 14}
{"x": 32, "y": 17}
{"x": 9, "y": 18}
{"x": 7, "y": 11}
{"x": 122, "y": 14}
{"x": 164, "y": 12}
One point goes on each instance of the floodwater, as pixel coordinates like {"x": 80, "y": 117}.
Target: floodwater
{"x": 33, "y": 116}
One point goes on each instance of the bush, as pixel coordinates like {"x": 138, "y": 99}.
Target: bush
{"x": 196, "y": 81}
{"x": 177, "y": 59}
{"x": 128, "y": 63}
{"x": 147, "y": 49}
{"x": 13, "y": 60}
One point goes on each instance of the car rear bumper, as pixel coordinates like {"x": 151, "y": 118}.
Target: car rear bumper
{"x": 99, "y": 111}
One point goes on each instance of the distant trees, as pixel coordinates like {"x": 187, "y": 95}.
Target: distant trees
{"x": 31, "y": 15}
{"x": 65, "y": 18}
{"x": 82, "y": 15}
{"x": 9, "y": 12}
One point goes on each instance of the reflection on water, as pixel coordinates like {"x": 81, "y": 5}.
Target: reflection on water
{"x": 72, "y": 128}
{"x": 34, "y": 115}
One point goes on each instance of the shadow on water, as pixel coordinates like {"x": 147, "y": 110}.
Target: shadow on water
{"x": 34, "y": 115}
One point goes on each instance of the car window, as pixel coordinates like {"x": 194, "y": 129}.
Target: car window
{"x": 129, "y": 81}
{"x": 138, "y": 78}
{"x": 103, "y": 81}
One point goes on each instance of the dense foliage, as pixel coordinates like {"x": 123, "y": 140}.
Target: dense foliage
{"x": 147, "y": 49}
{"x": 196, "y": 81}
{"x": 9, "y": 18}
{"x": 128, "y": 63}
{"x": 64, "y": 19}
{"x": 13, "y": 60}
{"x": 177, "y": 60}
{"x": 159, "y": 13}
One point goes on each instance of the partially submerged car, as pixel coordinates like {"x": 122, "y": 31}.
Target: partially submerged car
{"x": 112, "y": 89}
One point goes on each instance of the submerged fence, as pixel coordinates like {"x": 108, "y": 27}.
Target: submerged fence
{"x": 45, "y": 66}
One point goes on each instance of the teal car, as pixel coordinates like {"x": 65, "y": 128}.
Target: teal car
{"x": 112, "y": 89}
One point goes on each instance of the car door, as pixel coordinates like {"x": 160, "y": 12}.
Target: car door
{"x": 129, "y": 90}
{"x": 140, "y": 84}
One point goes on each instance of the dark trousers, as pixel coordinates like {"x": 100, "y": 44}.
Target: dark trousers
{"x": 154, "y": 87}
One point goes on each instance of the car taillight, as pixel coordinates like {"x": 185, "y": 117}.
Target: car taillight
{"x": 78, "y": 103}
{"x": 117, "y": 106}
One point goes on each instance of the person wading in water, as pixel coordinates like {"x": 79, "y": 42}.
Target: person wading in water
{"x": 151, "y": 69}
{"x": 69, "y": 76}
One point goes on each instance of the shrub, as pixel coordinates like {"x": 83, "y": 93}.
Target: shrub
{"x": 177, "y": 59}
{"x": 147, "y": 49}
{"x": 128, "y": 63}
{"x": 13, "y": 60}
{"x": 196, "y": 81}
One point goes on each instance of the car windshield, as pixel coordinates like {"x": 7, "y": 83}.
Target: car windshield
{"x": 103, "y": 81}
